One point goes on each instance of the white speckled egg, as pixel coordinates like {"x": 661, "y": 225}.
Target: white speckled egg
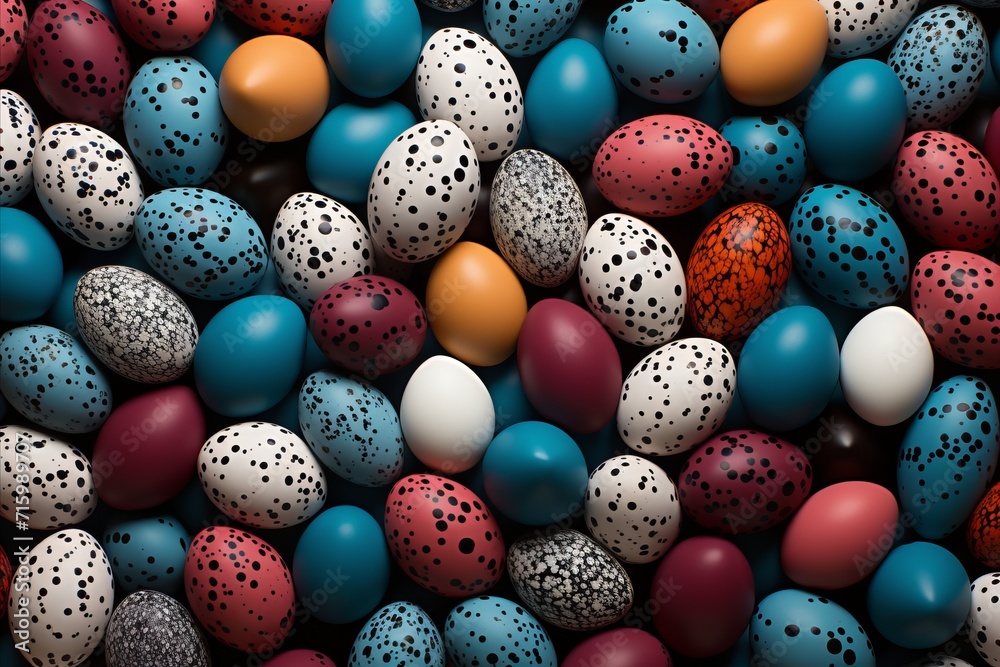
{"x": 423, "y": 192}
{"x": 538, "y": 217}
{"x": 87, "y": 184}
{"x": 20, "y": 132}
{"x": 152, "y": 628}
{"x": 860, "y": 27}
{"x": 134, "y": 324}
{"x": 315, "y": 243}
{"x": 676, "y": 397}
{"x": 632, "y": 280}
{"x": 57, "y": 476}
{"x": 984, "y": 618}
{"x": 262, "y": 475}
{"x": 462, "y": 77}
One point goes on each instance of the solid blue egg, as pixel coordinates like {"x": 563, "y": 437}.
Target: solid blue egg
{"x": 372, "y": 45}
{"x": 571, "y": 101}
{"x": 224, "y": 36}
{"x": 147, "y": 553}
{"x": 527, "y": 27}
{"x": 856, "y": 120}
{"x": 769, "y": 159}
{"x": 346, "y": 145}
{"x": 31, "y": 267}
{"x": 341, "y": 565}
{"x": 535, "y": 473}
{"x": 249, "y": 355}
{"x": 797, "y": 293}
{"x": 788, "y": 368}
{"x": 919, "y": 597}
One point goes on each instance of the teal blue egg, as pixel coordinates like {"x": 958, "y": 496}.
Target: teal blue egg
{"x": 400, "y": 634}
{"x": 920, "y": 596}
{"x": 31, "y": 267}
{"x": 147, "y": 553}
{"x": 527, "y": 27}
{"x": 571, "y": 101}
{"x": 769, "y": 160}
{"x": 249, "y": 355}
{"x": 346, "y": 145}
{"x": 480, "y": 629}
{"x": 224, "y": 36}
{"x": 797, "y": 293}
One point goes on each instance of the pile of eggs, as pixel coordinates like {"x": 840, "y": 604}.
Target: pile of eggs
{"x": 398, "y": 332}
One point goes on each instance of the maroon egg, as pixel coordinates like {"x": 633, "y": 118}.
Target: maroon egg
{"x": 744, "y": 482}
{"x": 165, "y": 25}
{"x": 148, "y": 448}
{"x": 78, "y": 61}
{"x": 569, "y": 366}
{"x": 621, "y": 647}
{"x": 13, "y": 30}
{"x": 369, "y": 325}
{"x": 300, "y": 658}
{"x": 705, "y": 590}
{"x": 296, "y": 18}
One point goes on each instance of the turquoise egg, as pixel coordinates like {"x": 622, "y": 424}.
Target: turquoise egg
{"x": 147, "y": 553}
{"x": 479, "y": 629}
{"x": 249, "y": 355}
{"x": 769, "y": 159}
{"x": 527, "y": 27}
{"x": 31, "y": 267}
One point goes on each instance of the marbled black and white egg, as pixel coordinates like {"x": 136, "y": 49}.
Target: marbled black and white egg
{"x": 315, "y": 243}
{"x": 632, "y": 507}
{"x": 488, "y": 630}
{"x": 87, "y": 184}
{"x": 20, "y": 131}
{"x": 462, "y": 77}
{"x": 70, "y": 595}
{"x": 527, "y": 27}
{"x": 60, "y": 488}
{"x": 134, "y": 324}
{"x": 423, "y": 192}
{"x": 984, "y": 622}
{"x": 633, "y": 280}
{"x": 857, "y": 28}
{"x": 538, "y": 217}
{"x": 152, "y": 628}
{"x": 262, "y": 474}
{"x": 569, "y": 581}
{"x": 676, "y": 397}
{"x": 940, "y": 58}
{"x": 400, "y": 634}
{"x": 449, "y": 5}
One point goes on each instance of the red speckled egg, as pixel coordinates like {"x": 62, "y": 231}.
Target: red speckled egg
{"x": 956, "y": 299}
{"x": 443, "y": 536}
{"x": 165, "y": 25}
{"x": 947, "y": 191}
{"x": 78, "y": 61}
{"x": 737, "y": 270}
{"x": 369, "y": 325}
{"x": 296, "y": 18}
{"x": 6, "y": 575}
{"x": 744, "y": 482}
{"x": 13, "y": 30}
{"x": 983, "y": 533}
{"x": 239, "y": 589}
{"x": 662, "y": 165}
{"x": 720, "y": 10}
{"x": 620, "y": 647}
{"x": 299, "y": 658}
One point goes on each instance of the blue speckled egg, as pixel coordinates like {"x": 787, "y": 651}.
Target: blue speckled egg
{"x": 527, "y": 27}
{"x": 400, "y": 633}
{"x": 48, "y": 377}
{"x": 147, "y": 552}
{"x": 203, "y": 243}
{"x": 174, "y": 123}
{"x": 769, "y": 160}
{"x": 948, "y": 456}
{"x": 848, "y": 248}
{"x": 487, "y": 630}
{"x": 150, "y": 628}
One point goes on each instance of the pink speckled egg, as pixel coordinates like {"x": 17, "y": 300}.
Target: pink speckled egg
{"x": 13, "y": 30}
{"x": 165, "y": 25}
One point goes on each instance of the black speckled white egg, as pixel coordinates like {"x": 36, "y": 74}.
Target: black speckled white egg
{"x": 60, "y": 487}
{"x": 860, "y": 27}
{"x": 148, "y": 629}
{"x": 984, "y": 620}
{"x": 400, "y": 633}
{"x": 632, "y": 280}
{"x": 134, "y": 324}
{"x": 570, "y": 581}
{"x": 87, "y": 184}
{"x": 462, "y": 77}
{"x": 20, "y": 131}
{"x": 538, "y": 217}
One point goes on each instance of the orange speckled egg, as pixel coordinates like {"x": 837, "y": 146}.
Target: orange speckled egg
{"x": 773, "y": 50}
{"x": 983, "y": 533}
{"x": 737, "y": 270}
{"x": 475, "y": 304}
{"x": 274, "y": 88}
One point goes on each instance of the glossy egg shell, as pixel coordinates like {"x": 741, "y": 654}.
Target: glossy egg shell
{"x": 31, "y": 268}
{"x": 399, "y": 633}
{"x": 524, "y": 29}
{"x": 296, "y": 18}
{"x": 983, "y": 532}
{"x": 165, "y": 25}
{"x": 859, "y": 28}
{"x": 13, "y": 31}
{"x": 21, "y": 131}
{"x": 619, "y": 647}
{"x": 769, "y": 159}
{"x": 983, "y": 627}
{"x": 146, "y": 552}
{"x": 479, "y": 630}
{"x": 149, "y": 627}
{"x": 301, "y": 657}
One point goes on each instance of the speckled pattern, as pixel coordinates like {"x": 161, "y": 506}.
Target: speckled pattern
{"x": 490, "y": 630}
{"x": 769, "y": 159}
{"x": 400, "y": 633}
{"x": 20, "y": 131}
{"x": 983, "y": 532}
{"x": 449, "y": 5}
{"x": 160, "y": 25}
{"x": 528, "y": 27}
{"x": 150, "y": 629}
{"x": 13, "y": 31}
{"x": 983, "y": 628}
{"x": 860, "y": 27}
{"x": 295, "y": 18}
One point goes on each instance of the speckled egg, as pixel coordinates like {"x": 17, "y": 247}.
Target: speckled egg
{"x": 423, "y": 192}
{"x": 202, "y": 243}
{"x": 983, "y": 532}
{"x": 400, "y": 634}
{"x": 462, "y": 77}
{"x": 661, "y": 166}
{"x": 528, "y": 27}
{"x": 146, "y": 552}
{"x": 20, "y": 130}
{"x": 984, "y": 623}
{"x": 737, "y": 271}
{"x": 231, "y": 565}
{"x": 940, "y": 58}
{"x": 134, "y": 324}
{"x": 45, "y": 482}
{"x": 165, "y": 25}
{"x": 676, "y": 396}
{"x": 769, "y": 159}
{"x": 538, "y": 217}
{"x": 481, "y": 630}
{"x": 947, "y": 191}
{"x": 87, "y": 184}
{"x": 632, "y": 508}
{"x": 315, "y": 243}
{"x": 569, "y": 581}
{"x": 13, "y": 31}
{"x": 857, "y": 28}
{"x": 443, "y": 536}
{"x": 48, "y": 377}
{"x": 296, "y": 18}
{"x": 151, "y": 628}
{"x": 632, "y": 280}
{"x": 262, "y": 475}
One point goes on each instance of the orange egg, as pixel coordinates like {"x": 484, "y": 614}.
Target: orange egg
{"x": 274, "y": 88}
{"x": 983, "y": 533}
{"x": 773, "y": 51}
{"x": 475, "y": 304}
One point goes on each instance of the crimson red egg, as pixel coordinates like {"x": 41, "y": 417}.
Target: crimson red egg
{"x": 13, "y": 29}
{"x": 6, "y": 576}
{"x": 300, "y": 658}
{"x": 296, "y": 18}
{"x": 165, "y": 25}
{"x": 620, "y": 647}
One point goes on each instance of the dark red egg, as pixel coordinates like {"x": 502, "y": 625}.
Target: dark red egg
{"x": 619, "y": 647}
{"x": 983, "y": 533}
{"x": 296, "y": 18}
{"x": 13, "y": 31}
{"x": 6, "y": 576}
{"x": 165, "y": 25}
